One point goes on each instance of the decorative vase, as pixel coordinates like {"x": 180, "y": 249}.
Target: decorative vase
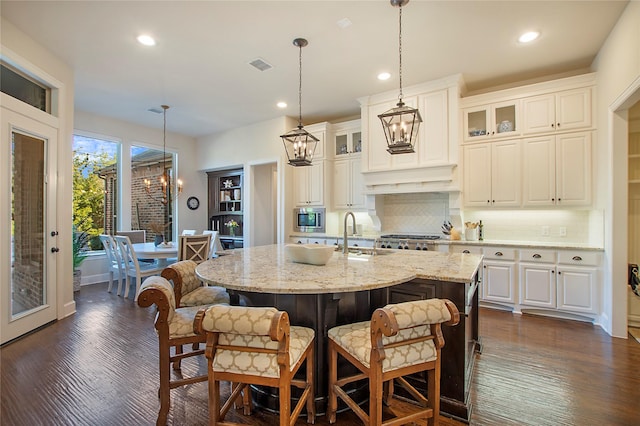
{"x": 232, "y": 231}
{"x": 77, "y": 278}
{"x": 158, "y": 240}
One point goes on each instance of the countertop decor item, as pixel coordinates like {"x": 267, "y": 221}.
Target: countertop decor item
{"x": 505, "y": 126}
{"x": 311, "y": 254}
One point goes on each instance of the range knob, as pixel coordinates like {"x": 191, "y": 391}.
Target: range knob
{"x": 406, "y": 246}
{"x": 418, "y": 247}
{"x": 400, "y": 247}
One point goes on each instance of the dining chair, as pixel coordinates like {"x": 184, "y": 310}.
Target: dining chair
{"x": 137, "y": 236}
{"x": 133, "y": 268}
{"x": 114, "y": 260}
{"x": 216, "y": 245}
{"x": 256, "y": 346}
{"x": 174, "y": 327}
{"x": 188, "y": 289}
{"x": 401, "y": 339}
{"x": 189, "y": 232}
{"x": 194, "y": 247}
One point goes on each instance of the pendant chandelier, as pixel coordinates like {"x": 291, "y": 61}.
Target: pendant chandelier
{"x": 299, "y": 144}
{"x": 164, "y": 191}
{"x": 400, "y": 124}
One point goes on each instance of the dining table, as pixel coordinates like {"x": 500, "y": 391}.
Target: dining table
{"x": 161, "y": 252}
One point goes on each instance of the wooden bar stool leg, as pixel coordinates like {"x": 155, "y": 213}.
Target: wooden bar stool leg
{"x": 332, "y": 404}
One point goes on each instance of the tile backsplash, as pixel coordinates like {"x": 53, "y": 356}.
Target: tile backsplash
{"x": 421, "y": 213}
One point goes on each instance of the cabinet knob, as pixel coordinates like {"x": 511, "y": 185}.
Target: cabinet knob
{"x": 553, "y": 125}
{"x": 493, "y": 201}
{"x": 536, "y": 256}
{"x": 488, "y": 201}
{"x": 498, "y": 253}
{"x": 466, "y": 251}
{"x": 559, "y": 272}
{"x": 577, "y": 258}
{"x": 54, "y": 249}
{"x": 558, "y": 125}
{"x": 54, "y": 233}
{"x": 559, "y": 199}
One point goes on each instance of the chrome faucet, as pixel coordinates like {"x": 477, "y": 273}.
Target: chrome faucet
{"x": 345, "y": 241}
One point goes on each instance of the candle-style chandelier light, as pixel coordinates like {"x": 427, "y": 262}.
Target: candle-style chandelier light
{"x": 401, "y": 123}
{"x": 299, "y": 144}
{"x": 164, "y": 191}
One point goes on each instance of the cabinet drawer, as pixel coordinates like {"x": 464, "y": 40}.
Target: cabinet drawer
{"x": 499, "y": 253}
{"x": 538, "y": 256}
{"x": 465, "y": 249}
{"x": 579, "y": 258}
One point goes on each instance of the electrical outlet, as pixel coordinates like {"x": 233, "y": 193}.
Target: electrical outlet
{"x": 545, "y": 231}
{"x": 563, "y": 231}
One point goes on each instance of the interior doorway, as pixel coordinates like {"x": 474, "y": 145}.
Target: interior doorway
{"x": 633, "y": 254}
{"x": 263, "y": 204}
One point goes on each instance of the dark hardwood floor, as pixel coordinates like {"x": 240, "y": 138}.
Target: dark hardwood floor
{"x": 99, "y": 367}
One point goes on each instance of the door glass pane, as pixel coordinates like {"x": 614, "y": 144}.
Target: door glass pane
{"x": 28, "y": 288}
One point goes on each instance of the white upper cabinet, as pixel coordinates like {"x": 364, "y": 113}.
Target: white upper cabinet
{"x": 309, "y": 184}
{"x": 347, "y": 139}
{"x": 348, "y": 187}
{"x": 557, "y": 112}
{"x": 492, "y": 174}
{"x": 492, "y": 121}
{"x": 557, "y": 170}
{"x": 318, "y": 130}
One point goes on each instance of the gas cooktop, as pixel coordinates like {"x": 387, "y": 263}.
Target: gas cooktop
{"x": 409, "y": 237}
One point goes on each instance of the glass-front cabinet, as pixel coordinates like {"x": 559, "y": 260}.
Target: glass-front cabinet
{"x": 347, "y": 138}
{"x": 492, "y": 121}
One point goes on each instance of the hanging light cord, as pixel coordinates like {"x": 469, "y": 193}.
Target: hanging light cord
{"x": 164, "y": 139}
{"x": 300, "y": 88}
{"x": 400, "y": 50}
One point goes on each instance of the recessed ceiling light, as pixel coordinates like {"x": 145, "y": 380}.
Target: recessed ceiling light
{"x": 384, "y": 76}
{"x": 344, "y": 23}
{"x": 147, "y": 40}
{"x": 281, "y": 104}
{"x": 528, "y": 36}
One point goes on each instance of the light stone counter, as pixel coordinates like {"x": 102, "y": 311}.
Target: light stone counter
{"x": 265, "y": 269}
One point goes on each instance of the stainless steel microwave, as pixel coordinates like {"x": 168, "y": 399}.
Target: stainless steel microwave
{"x": 309, "y": 219}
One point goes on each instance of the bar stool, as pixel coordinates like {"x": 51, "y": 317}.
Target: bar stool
{"x": 400, "y": 339}
{"x": 256, "y": 346}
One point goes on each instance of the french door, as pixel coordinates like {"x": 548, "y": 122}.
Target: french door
{"x": 27, "y": 224}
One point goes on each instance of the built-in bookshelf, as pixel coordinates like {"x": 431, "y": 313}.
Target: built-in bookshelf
{"x": 226, "y": 203}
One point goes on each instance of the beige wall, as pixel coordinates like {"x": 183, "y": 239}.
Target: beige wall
{"x": 618, "y": 68}
{"x": 20, "y": 50}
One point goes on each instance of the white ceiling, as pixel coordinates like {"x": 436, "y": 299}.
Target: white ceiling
{"x": 200, "y": 63}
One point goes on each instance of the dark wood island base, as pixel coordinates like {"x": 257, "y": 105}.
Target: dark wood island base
{"x": 324, "y": 311}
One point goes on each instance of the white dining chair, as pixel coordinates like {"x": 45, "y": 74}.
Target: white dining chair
{"x": 194, "y": 247}
{"x": 114, "y": 259}
{"x": 133, "y": 268}
{"x": 189, "y": 232}
{"x": 216, "y": 245}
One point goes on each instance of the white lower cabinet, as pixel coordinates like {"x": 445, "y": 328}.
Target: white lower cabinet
{"x": 499, "y": 280}
{"x": 307, "y": 240}
{"x": 568, "y": 284}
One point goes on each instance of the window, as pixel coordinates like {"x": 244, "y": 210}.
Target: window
{"x": 95, "y": 187}
{"x": 20, "y": 87}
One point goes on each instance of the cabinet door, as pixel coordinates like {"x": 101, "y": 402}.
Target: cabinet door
{"x": 539, "y": 114}
{"x": 301, "y": 185}
{"x": 357, "y": 183}
{"x": 499, "y": 283}
{"x": 377, "y": 156}
{"x": 433, "y": 142}
{"x": 505, "y": 174}
{"x": 573, "y": 169}
{"x": 341, "y": 184}
{"x": 476, "y": 123}
{"x": 577, "y": 289}
{"x": 537, "y": 285}
{"x": 315, "y": 184}
{"x": 539, "y": 171}
{"x": 573, "y": 109}
{"x": 477, "y": 175}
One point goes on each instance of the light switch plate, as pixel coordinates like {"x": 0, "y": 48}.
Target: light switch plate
{"x": 545, "y": 231}
{"x": 563, "y": 231}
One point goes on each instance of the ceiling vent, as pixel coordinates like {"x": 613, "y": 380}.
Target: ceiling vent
{"x": 260, "y": 64}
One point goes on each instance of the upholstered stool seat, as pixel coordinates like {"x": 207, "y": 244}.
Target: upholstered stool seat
{"x": 400, "y": 339}
{"x": 256, "y": 346}
{"x": 189, "y": 290}
{"x": 174, "y": 327}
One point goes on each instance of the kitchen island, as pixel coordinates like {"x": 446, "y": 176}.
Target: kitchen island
{"x": 348, "y": 289}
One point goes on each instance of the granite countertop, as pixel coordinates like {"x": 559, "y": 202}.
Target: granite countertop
{"x": 553, "y": 245}
{"x": 266, "y": 269}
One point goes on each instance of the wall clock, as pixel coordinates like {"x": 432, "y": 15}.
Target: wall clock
{"x": 193, "y": 203}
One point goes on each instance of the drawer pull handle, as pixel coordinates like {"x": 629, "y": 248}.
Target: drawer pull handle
{"x": 498, "y": 253}
{"x": 577, "y": 258}
{"x": 466, "y": 251}
{"x": 536, "y": 256}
